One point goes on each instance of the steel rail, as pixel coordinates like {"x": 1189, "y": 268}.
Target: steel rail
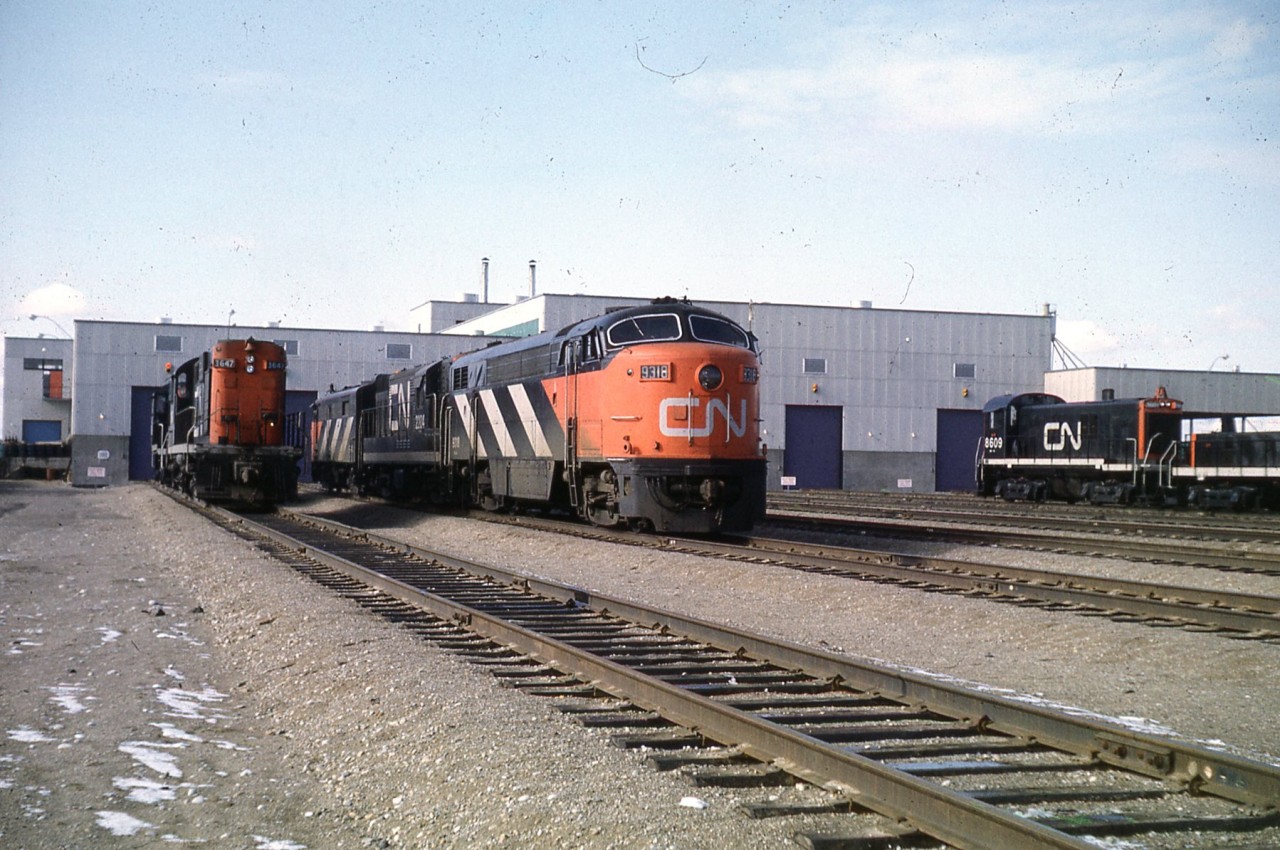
{"x": 947, "y": 815}
{"x": 1139, "y": 549}
{"x": 960, "y": 509}
{"x": 1241, "y": 612}
{"x": 1254, "y": 616}
{"x": 962, "y": 821}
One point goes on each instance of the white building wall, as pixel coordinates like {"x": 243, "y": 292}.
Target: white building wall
{"x": 22, "y": 390}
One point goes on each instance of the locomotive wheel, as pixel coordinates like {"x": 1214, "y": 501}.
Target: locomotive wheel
{"x": 603, "y": 517}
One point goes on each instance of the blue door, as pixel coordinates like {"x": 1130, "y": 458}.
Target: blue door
{"x": 297, "y": 427}
{"x": 958, "y": 434}
{"x": 140, "y": 433}
{"x": 815, "y": 446}
{"x": 41, "y": 431}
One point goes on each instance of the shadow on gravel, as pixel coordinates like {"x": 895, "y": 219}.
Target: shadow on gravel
{"x": 365, "y": 514}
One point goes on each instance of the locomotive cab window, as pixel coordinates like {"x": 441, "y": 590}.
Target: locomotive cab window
{"x": 709, "y": 329}
{"x": 591, "y": 346}
{"x": 661, "y": 327}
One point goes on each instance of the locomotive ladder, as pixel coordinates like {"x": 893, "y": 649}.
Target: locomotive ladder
{"x": 571, "y": 425}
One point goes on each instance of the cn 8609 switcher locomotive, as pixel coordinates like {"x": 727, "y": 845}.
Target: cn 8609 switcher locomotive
{"x": 1037, "y": 446}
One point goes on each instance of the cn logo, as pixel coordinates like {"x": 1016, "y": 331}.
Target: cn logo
{"x": 685, "y": 408}
{"x": 1058, "y": 434}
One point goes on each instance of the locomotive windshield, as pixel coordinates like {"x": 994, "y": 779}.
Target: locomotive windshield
{"x": 660, "y": 327}
{"x": 711, "y": 329}
{"x": 665, "y": 327}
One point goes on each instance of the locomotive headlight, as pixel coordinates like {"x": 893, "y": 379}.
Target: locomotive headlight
{"x": 710, "y": 377}
{"x": 249, "y": 368}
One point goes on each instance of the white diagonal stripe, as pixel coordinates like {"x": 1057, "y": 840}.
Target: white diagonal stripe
{"x": 532, "y": 427}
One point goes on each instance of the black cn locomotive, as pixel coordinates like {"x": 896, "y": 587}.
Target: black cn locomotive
{"x": 219, "y": 426}
{"x": 1036, "y": 446}
{"x": 645, "y": 417}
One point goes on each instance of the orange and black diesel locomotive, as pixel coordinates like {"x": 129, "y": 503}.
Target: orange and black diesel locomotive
{"x": 645, "y": 417}
{"x": 219, "y": 426}
{"x": 1037, "y": 446}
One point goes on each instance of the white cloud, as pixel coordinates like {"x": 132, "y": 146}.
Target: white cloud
{"x": 915, "y": 84}
{"x": 1236, "y": 318}
{"x": 1239, "y": 39}
{"x": 1031, "y": 73}
{"x": 1091, "y": 342}
{"x": 56, "y": 300}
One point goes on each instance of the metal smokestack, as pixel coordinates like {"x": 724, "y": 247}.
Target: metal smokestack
{"x": 533, "y": 278}
{"x": 484, "y": 279}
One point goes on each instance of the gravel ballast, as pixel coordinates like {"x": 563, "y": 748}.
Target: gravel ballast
{"x": 164, "y": 682}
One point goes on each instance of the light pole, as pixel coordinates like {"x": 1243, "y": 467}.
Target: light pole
{"x": 35, "y": 316}
{"x": 1215, "y": 360}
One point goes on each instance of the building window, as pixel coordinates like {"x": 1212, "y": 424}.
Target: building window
{"x": 51, "y": 377}
{"x": 964, "y": 370}
{"x": 399, "y": 351}
{"x": 168, "y": 343}
{"x": 290, "y": 346}
{"x": 815, "y": 365}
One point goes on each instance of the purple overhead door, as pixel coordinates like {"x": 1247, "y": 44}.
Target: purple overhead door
{"x": 815, "y": 443}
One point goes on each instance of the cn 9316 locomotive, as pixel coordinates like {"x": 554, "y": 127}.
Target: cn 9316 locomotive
{"x": 218, "y": 428}
{"x": 645, "y": 417}
{"x": 1036, "y": 446}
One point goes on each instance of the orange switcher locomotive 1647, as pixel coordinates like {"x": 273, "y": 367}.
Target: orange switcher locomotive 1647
{"x": 647, "y": 417}
{"x": 219, "y": 426}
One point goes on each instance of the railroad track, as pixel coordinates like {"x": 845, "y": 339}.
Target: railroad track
{"x": 966, "y": 768}
{"x": 970, "y": 510}
{"x": 1244, "y": 616}
{"x": 1202, "y": 555}
{"x": 1241, "y": 615}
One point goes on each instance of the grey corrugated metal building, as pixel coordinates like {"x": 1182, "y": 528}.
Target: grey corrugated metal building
{"x": 882, "y": 399}
{"x": 852, "y": 397}
{"x": 1236, "y": 392}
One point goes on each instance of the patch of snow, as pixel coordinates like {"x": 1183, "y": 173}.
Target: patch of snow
{"x": 229, "y": 745}
{"x": 168, "y": 730}
{"x": 153, "y": 756}
{"x": 68, "y": 697}
{"x": 109, "y": 635}
{"x": 119, "y": 823}
{"x": 21, "y": 644}
{"x": 265, "y": 843}
{"x": 27, "y": 735}
{"x": 179, "y": 635}
{"x": 145, "y": 790}
{"x": 189, "y": 704}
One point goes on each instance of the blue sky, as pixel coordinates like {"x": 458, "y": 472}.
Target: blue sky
{"x": 333, "y": 165}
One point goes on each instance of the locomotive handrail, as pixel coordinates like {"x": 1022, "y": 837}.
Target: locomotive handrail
{"x": 1166, "y": 464}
